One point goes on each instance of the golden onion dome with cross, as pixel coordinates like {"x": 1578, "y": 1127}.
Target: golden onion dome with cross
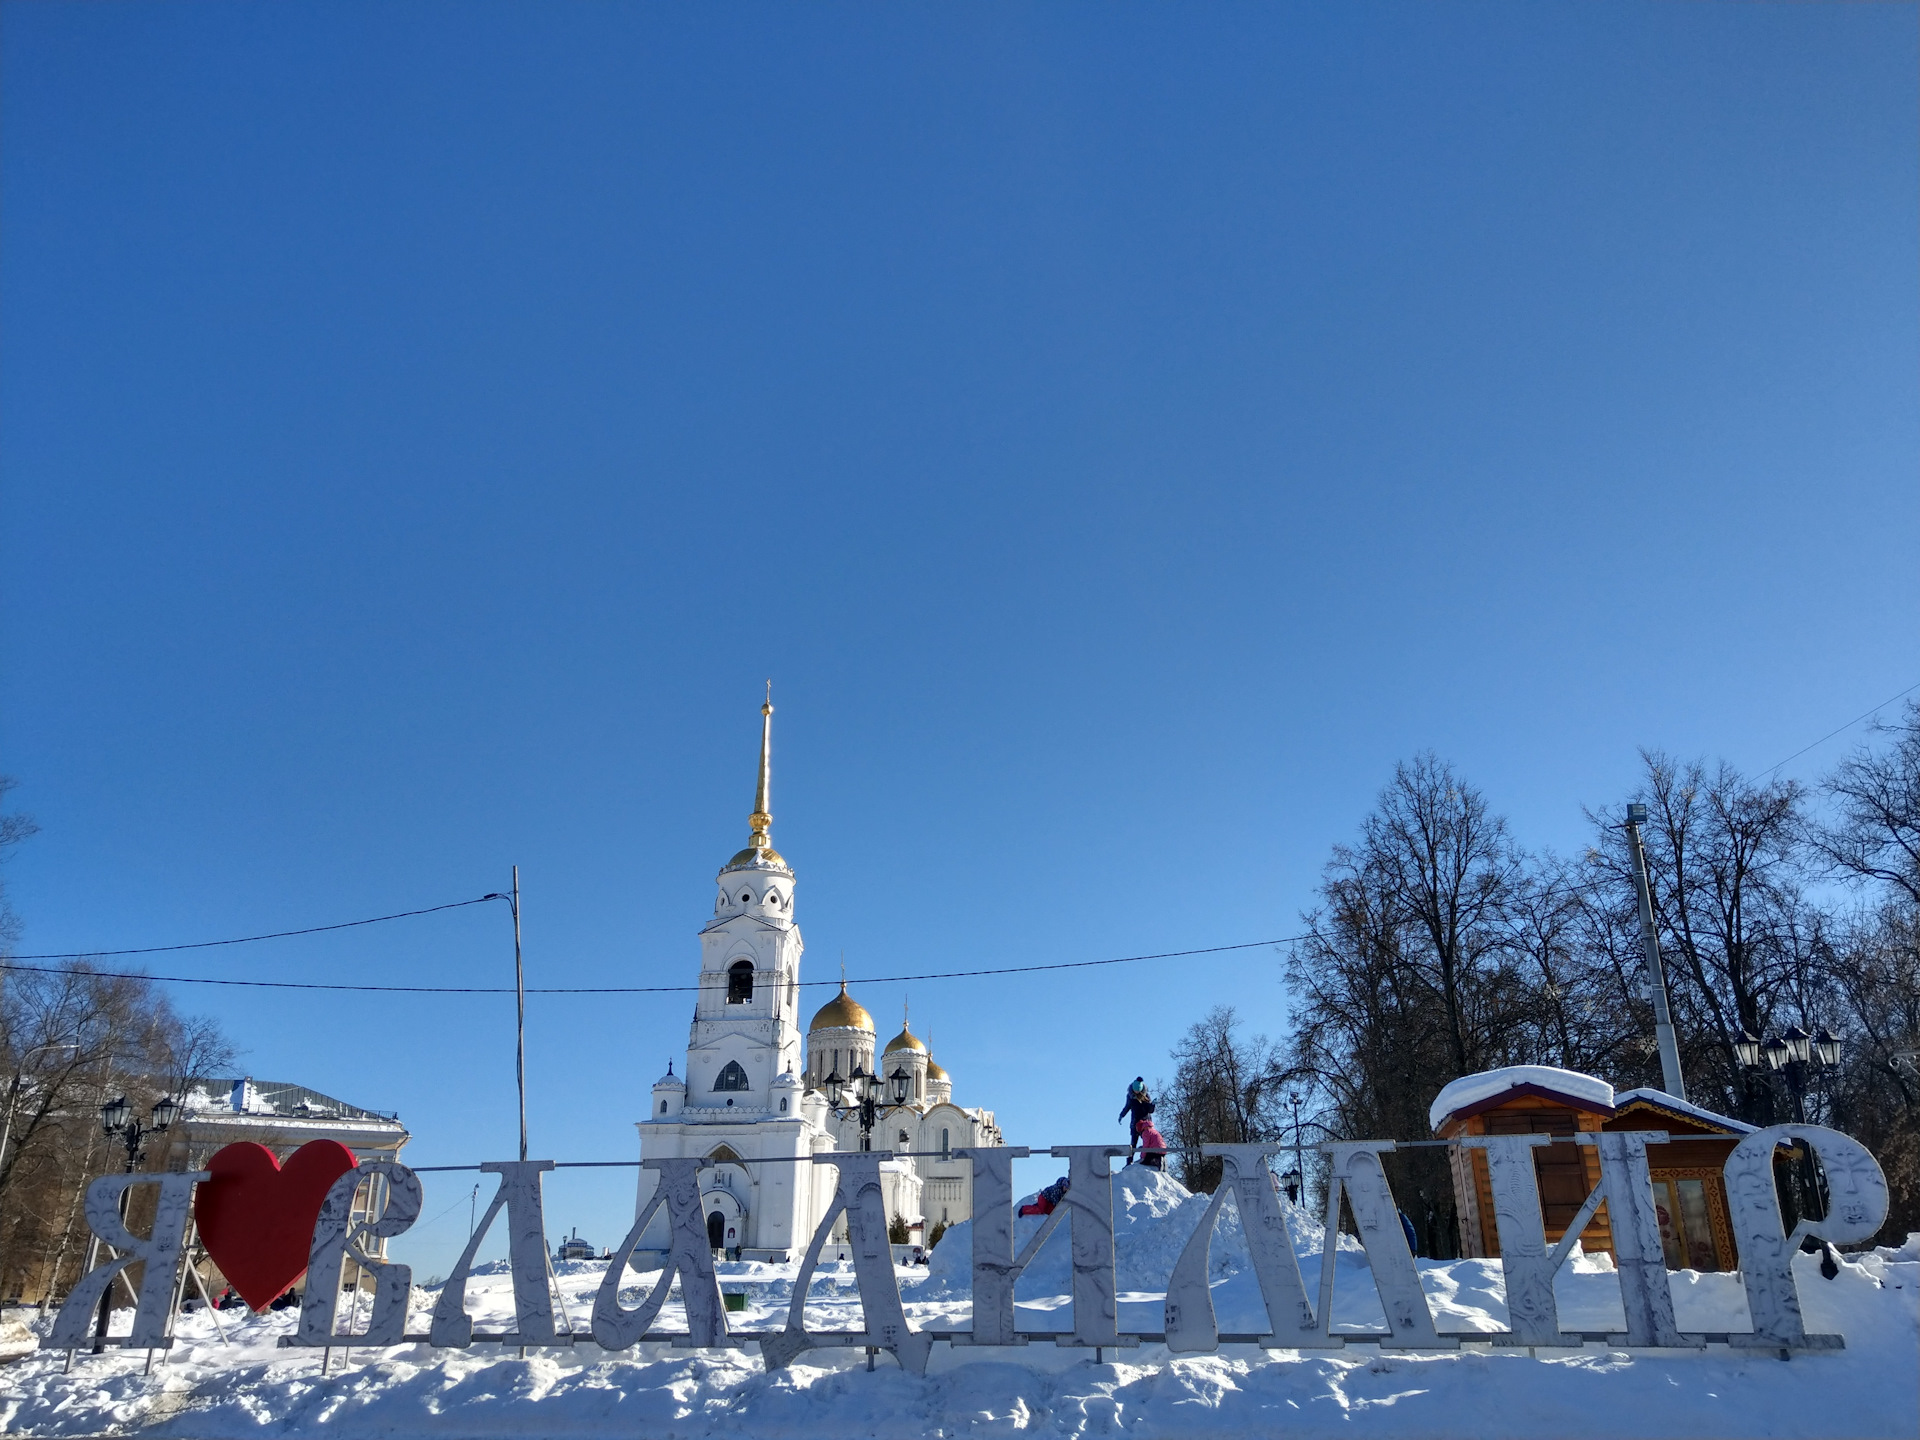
{"x": 905, "y": 1040}
{"x": 843, "y": 1012}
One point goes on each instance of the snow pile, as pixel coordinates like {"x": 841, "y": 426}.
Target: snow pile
{"x": 207, "y": 1390}
{"x": 1153, "y": 1217}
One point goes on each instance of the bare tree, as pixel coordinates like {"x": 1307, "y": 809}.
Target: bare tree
{"x": 1725, "y": 860}
{"x": 14, "y": 828}
{"x": 1225, "y": 1090}
{"x": 1446, "y": 864}
{"x": 72, "y": 1039}
{"x": 1875, "y": 833}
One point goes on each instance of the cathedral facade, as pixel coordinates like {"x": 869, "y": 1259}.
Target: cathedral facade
{"x": 756, "y": 1087}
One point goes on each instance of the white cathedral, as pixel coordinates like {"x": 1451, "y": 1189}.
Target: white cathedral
{"x": 754, "y": 1087}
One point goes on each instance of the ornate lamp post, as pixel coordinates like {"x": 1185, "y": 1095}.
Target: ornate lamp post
{"x": 860, "y": 1095}
{"x": 1796, "y": 1057}
{"x": 116, "y": 1118}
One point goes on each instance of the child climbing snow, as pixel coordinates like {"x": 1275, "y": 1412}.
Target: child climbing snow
{"x": 1047, "y": 1199}
{"x": 1153, "y": 1150}
{"x": 1138, "y": 1106}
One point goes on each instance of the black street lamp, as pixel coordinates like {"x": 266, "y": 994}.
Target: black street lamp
{"x": 1797, "y": 1057}
{"x": 860, "y": 1095}
{"x": 116, "y": 1118}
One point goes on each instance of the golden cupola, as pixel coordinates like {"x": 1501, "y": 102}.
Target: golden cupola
{"x": 760, "y": 854}
{"x": 843, "y": 1012}
{"x": 905, "y": 1040}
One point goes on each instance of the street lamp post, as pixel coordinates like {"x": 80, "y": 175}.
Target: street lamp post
{"x": 1295, "y": 1179}
{"x": 860, "y": 1095}
{"x": 116, "y": 1118}
{"x": 520, "y": 1001}
{"x": 1796, "y": 1057}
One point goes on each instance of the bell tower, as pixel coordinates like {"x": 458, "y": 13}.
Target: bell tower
{"x": 746, "y": 1032}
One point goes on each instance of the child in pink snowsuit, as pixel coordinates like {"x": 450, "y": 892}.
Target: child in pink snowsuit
{"x": 1153, "y": 1150}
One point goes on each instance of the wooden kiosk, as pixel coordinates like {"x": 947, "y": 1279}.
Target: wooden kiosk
{"x": 1688, "y": 1189}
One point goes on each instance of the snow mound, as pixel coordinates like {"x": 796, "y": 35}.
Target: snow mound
{"x": 1154, "y": 1216}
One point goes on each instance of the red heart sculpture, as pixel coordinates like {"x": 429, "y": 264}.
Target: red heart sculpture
{"x": 256, "y": 1215}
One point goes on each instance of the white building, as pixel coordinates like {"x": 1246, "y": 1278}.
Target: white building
{"x": 752, "y": 1085}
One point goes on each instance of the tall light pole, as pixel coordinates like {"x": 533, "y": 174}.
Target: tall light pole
{"x": 520, "y": 1001}
{"x": 1670, "y": 1078}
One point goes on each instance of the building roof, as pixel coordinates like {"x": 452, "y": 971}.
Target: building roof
{"x": 1488, "y": 1088}
{"x": 276, "y": 1097}
{"x": 1673, "y": 1105}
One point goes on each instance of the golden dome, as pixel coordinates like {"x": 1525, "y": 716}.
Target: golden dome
{"x": 757, "y": 859}
{"x": 934, "y": 1072}
{"x": 842, "y": 1012}
{"x": 905, "y": 1040}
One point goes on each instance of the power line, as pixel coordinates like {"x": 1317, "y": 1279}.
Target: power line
{"x": 1848, "y": 726}
{"x": 249, "y": 939}
{"x": 627, "y": 989}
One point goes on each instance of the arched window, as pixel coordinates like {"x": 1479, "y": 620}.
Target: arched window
{"x": 905, "y": 1140}
{"x": 740, "y": 982}
{"x": 724, "y": 1155}
{"x": 783, "y": 1104}
{"x": 663, "y": 1107}
{"x": 946, "y": 1146}
{"x": 731, "y": 1077}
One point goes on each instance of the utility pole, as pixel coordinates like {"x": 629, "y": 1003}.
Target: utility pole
{"x": 520, "y": 1022}
{"x": 520, "y": 997}
{"x": 1670, "y": 1077}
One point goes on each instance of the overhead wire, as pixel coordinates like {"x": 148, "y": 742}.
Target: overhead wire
{"x": 717, "y": 983}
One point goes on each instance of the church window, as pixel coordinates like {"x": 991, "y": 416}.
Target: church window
{"x": 731, "y": 1077}
{"x": 905, "y": 1140}
{"x": 663, "y": 1107}
{"x": 945, "y": 1146}
{"x": 746, "y": 897}
{"x": 740, "y": 982}
{"x": 783, "y": 1104}
{"x": 773, "y": 898}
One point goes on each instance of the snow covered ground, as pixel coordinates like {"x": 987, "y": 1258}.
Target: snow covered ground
{"x": 250, "y": 1387}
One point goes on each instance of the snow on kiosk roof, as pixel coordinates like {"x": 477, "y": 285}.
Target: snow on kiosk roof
{"x": 1472, "y": 1091}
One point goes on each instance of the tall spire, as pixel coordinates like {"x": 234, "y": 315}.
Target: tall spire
{"x": 762, "y": 818}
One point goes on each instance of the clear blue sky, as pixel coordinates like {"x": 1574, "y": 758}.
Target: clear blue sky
{"x": 1121, "y": 432}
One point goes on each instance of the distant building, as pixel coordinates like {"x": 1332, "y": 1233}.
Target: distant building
{"x": 754, "y": 1083}
{"x": 281, "y": 1116}
{"x": 574, "y": 1248}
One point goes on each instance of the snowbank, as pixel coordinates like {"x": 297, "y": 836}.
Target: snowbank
{"x": 213, "y": 1391}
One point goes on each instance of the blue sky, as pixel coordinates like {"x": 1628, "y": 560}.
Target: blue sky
{"x": 1120, "y": 432}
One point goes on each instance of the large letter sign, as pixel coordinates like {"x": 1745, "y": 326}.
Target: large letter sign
{"x": 251, "y": 1217}
{"x": 615, "y": 1328}
{"x": 1189, "y": 1309}
{"x": 1356, "y": 1170}
{"x": 336, "y": 1239}
{"x": 160, "y": 1254}
{"x": 858, "y": 1197}
{"x": 519, "y": 1192}
{"x": 995, "y": 1268}
{"x": 1856, "y": 1207}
